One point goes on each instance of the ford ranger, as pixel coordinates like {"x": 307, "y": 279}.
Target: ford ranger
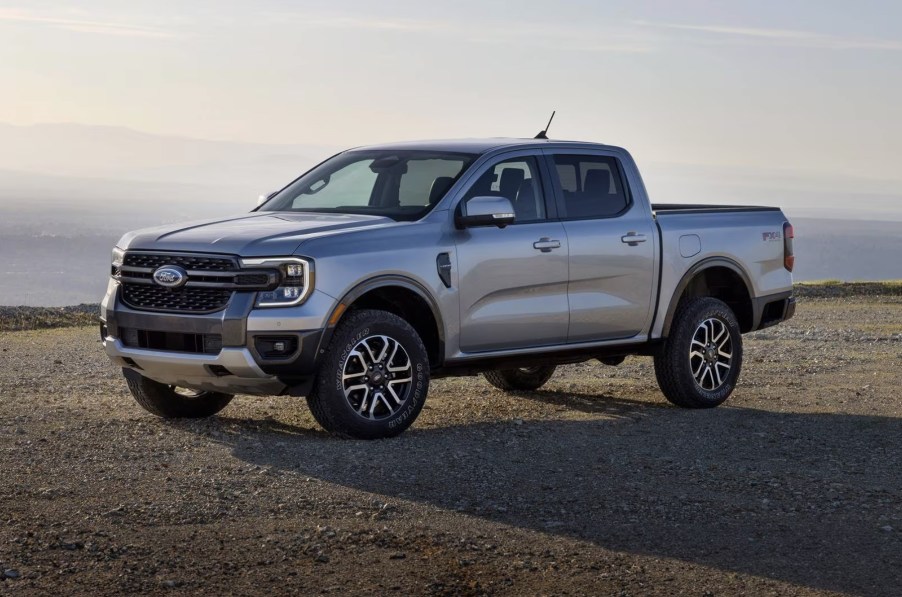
{"x": 384, "y": 267}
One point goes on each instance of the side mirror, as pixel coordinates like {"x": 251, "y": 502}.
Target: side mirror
{"x": 264, "y": 198}
{"x": 485, "y": 211}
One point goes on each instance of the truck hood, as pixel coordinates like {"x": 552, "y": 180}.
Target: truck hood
{"x": 258, "y": 234}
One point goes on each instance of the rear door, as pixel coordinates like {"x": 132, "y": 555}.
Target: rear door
{"x": 611, "y": 246}
{"x": 513, "y": 280}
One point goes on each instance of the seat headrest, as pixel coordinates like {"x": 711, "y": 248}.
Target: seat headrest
{"x": 525, "y": 206}
{"x": 525, "y": 192}
{"x": 598, "y": 182}
{"x": 511, "y": 178}
{"x": 439, "y": 187}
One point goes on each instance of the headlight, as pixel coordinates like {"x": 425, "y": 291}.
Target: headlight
{"x": 118, "y": 256}
{"x": 295, "y": 285}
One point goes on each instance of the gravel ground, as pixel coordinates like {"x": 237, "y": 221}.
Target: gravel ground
{"x": 593, "y": 485}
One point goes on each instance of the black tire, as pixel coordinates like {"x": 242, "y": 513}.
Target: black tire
{"x": 524, "y": 379}
{"x": 346, "y": 364}
{"x": 166, "y": 401}
{"x": 676, "y": 365}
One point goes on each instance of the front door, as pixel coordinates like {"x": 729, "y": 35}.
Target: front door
{"x": 513, "y": 280}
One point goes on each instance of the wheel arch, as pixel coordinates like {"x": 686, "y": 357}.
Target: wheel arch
{"x": 402, "y": 296}
{"x": 720, "y": 278}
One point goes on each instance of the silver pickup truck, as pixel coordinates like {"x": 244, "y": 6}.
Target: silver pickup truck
{"x": 386, "y": 266}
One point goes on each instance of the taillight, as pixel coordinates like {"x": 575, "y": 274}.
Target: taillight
{"x": 789, "y": 259}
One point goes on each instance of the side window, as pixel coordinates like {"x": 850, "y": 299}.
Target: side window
{"x": 592, "y": 186}
{"x": 518, "y": 180}
{"x": 426, "y": 181}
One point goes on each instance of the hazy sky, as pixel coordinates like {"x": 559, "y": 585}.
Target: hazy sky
{"x": 811, "y": 86}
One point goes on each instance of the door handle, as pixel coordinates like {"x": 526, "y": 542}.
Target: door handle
{"x": 546, "y": 244}
{"x": 632, "y": 239}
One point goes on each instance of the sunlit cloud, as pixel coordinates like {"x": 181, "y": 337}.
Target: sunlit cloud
{"x": 783, "y": 37}
{"x": 330, "y": 21}
{"x": 574, "y": 37}
{"x": 83, "y": 26}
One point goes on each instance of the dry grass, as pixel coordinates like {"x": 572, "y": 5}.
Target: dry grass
{"x": 36, "y": 318}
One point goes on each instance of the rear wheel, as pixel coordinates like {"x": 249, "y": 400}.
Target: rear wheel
{"x": 172, "y": 402}
{"x": 699, "y": 363}
{"x": 373, "y": 378}
{"x": 523, "y": 378}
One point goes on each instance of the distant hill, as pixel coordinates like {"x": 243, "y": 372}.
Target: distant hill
{"x": 105, "y": 152}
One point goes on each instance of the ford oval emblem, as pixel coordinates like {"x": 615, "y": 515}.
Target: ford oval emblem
{"x": 170, "y": 276}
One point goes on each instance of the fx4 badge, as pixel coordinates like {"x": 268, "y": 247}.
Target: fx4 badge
{"x": 771, "y": 236}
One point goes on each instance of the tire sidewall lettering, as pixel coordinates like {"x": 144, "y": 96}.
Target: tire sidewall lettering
{"x": 343, "y": 357}
{"x": 413, "y": 399}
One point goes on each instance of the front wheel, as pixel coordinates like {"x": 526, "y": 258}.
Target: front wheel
{"x": 522, "y": 379}
{"x": 373, "y": 379}
{"x": 699, "y": 363}
{"x": 171, "y": 402}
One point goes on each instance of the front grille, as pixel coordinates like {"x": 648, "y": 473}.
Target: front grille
{"x": 212, "y": 279}
{"x": 189, "y": 262}
{"x": 192, "y": 299}
{"x": 171, "y": 341}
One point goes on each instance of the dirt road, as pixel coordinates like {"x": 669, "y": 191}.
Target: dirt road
{"x": 593, "y": 485}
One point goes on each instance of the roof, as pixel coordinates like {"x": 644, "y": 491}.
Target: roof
{"x": 476, "y": 145}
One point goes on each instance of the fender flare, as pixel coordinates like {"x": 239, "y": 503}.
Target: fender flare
{"x": 693, "y": 271}
{"x": 390, "y": 280}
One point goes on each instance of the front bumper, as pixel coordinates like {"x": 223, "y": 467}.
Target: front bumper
{"x": 198, "y": 371}
{"x": 238, "y": 367}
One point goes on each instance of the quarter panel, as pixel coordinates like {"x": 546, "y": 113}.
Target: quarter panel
{"x": 742, "y": 237}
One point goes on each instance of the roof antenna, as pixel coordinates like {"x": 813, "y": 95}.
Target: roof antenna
{"x": 542, "y": 134}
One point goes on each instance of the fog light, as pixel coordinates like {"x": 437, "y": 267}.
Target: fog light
{"x": 275, "y": 347}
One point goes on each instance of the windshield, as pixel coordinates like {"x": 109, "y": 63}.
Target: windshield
{"x": 402, "y": 185}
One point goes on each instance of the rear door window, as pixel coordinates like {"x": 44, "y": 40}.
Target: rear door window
{"x": 591, "y": 186}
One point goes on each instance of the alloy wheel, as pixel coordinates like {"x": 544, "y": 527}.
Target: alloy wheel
{"x": 377, "y": 377}
{"x": 711, "y": 354}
